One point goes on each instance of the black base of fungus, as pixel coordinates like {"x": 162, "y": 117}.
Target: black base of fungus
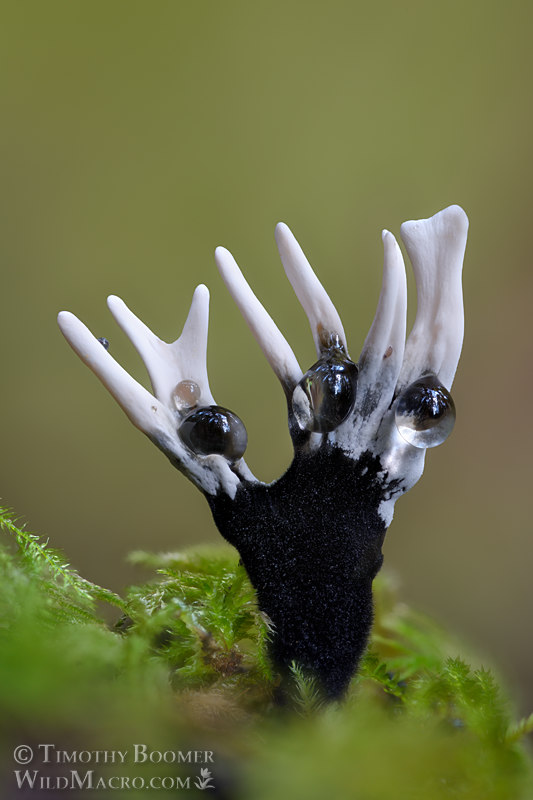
{"x": 311, "y": 544}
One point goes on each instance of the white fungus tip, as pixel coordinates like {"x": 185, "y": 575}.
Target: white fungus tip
{"x": 62, "y": 318}
{"x": 315, "y": 301}
{"x": 221, "y": 252}
{"x": 202, "y": 289}
{"x": 436, "y": 248}
{"x": 281, "y": 229}
{"x": 270, "y": 339}
{"x": 382, "y": 355}
{"x": 200, "y": 309}
{"x": 114, "y": 302}
{"x": 452, "y": 219}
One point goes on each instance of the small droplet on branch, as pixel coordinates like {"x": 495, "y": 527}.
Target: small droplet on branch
{"x": 186, "y": 395}
{"x": 425, "y": 413}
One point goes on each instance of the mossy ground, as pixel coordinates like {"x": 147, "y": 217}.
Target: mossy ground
{"x": 184, "y": 667}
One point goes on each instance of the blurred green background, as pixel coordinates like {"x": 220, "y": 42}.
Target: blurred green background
{"x": 137, "y": 136}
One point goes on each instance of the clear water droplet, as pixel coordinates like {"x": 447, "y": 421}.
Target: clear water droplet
{"x": 213, "y": 430}
{"x": 186, "y": 395}
{"x": 103, "y": 341}
{"x": 425, "y": 413}
{"x": 326, "y": 394}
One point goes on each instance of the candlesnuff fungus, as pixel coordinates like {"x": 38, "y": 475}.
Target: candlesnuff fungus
{"x": 310, "y": 541}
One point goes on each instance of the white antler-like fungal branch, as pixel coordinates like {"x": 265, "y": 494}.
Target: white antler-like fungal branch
{"x": 382, "y": 354}
{"x": 436, "y": 247}
{"x": 169, "y": 365}
{"x": 146, "y": 412}
{"x": 275, "y": 347}
{"x": 321, "y": 313}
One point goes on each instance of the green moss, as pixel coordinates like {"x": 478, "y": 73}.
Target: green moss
{"x": 186, "y": 667}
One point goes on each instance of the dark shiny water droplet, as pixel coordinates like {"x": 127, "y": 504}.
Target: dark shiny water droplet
{"x": 213, "y": 430}
{"x": 326, "y": 394}
{"x": 103, "y": 342}
{"x": 425, "y": 412}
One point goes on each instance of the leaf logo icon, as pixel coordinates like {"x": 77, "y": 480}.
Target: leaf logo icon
{"x": 203, "y": 781}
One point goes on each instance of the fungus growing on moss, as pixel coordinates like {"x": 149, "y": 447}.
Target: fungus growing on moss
{"x": 310, "y": 541}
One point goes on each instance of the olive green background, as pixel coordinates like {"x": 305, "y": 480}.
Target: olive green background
{"x": 137, "y": 136}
